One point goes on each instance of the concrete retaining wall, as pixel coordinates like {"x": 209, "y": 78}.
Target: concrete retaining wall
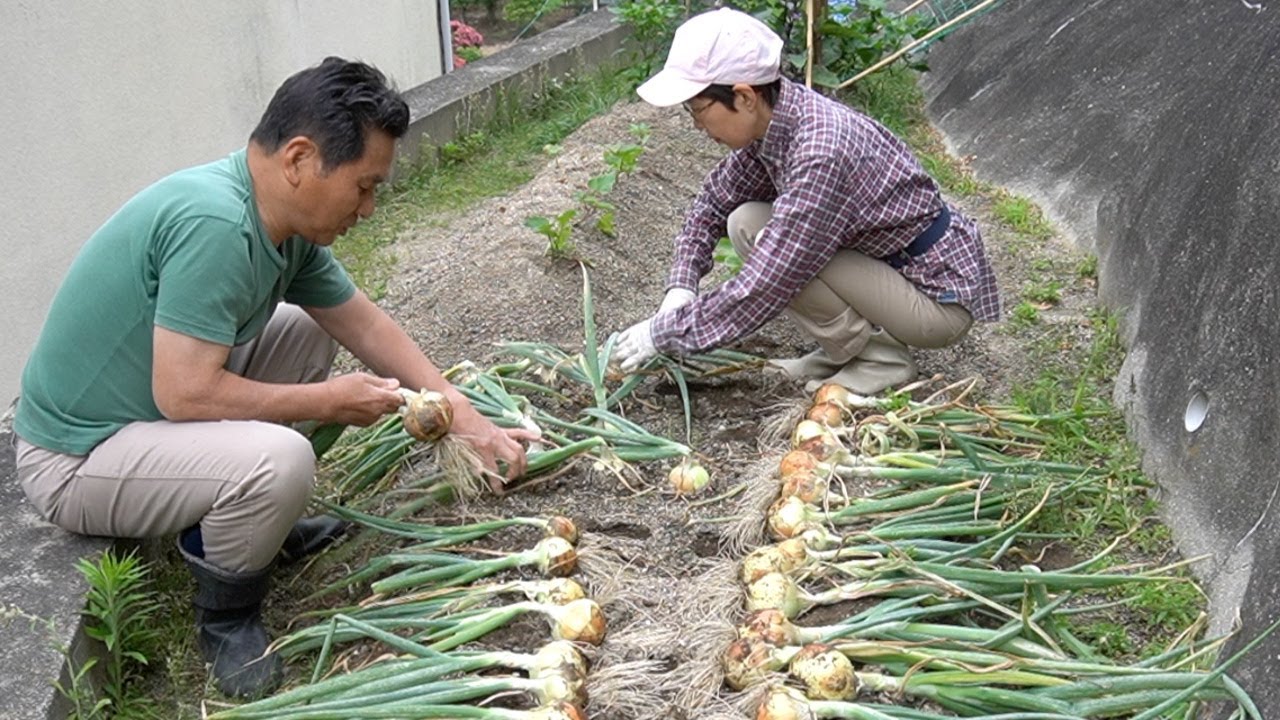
{"x": 1148, "y": 129}
{"x": 103, "y": 98}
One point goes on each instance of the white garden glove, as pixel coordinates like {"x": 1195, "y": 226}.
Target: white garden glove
{"x": 676, "y": 297}
{"x": 635, "y": 346}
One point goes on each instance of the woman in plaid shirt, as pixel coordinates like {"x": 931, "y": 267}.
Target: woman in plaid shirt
{"x": 836, "y": 222}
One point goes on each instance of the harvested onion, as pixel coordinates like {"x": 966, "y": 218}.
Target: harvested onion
{"x": 826, "y": 673}
{"x": 427, "y": 414}
{"x": 688, "y": 478}
{"x": 557, "y": 557}
{"x": 580, "y": 621}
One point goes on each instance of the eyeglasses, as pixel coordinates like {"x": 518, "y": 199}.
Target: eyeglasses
{"x": 694, "y": 112}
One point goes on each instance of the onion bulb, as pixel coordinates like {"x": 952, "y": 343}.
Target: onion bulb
{"x": 559, "y": 711}
{"x": 789, "y": 517}
{"x": 560, "y": 656}
{"x": 796, "y": 461}
{"x": 748, "y": 662}
{"x": 783, "y": 703}
{"x": 770, "y": 626}
{"x": 780, "y": 558}
{"x": 826, "y": 673}
{"x": 562, "y": 527}
{"x": 826, "y": 413}
{"x": 581, "y": 621}
{"x": 563, "y": 672}
{"x": 810, "y": 487}
{"x": 558, "y": 557}
{"x": 688, "y": 477}
{"x": 816, "y": 439}
{"x": 427, "y": 414}
{"x": 832, "y": 393}
{"x": 775, "y": 591}
{"x": 559, "y": 591}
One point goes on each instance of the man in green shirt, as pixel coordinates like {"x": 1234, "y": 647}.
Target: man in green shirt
{"x": 195, "y": 324}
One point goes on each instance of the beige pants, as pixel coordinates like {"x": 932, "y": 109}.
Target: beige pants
{"x": 244, "y": 482}
{"x": 854, "y": 293}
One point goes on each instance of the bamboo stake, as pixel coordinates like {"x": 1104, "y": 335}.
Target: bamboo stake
{"x": 918, "y": 41}
{"x": 808, "y": 66}
{"x": 911, "y": 7}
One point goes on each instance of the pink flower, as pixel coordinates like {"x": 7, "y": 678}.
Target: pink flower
{"x": 458, "y": 62}
{"x": 464, "y": 35}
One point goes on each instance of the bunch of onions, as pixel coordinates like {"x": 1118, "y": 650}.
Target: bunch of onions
{"x": 434, "y": 684}
{"x": 432, "y": 535}
{"x": 553, "y": 556}
{"x": 427, "y": 414}
{"x": 579, "y": 620}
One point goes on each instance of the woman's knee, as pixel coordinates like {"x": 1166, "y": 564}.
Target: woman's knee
{"x": 745, "y": 223}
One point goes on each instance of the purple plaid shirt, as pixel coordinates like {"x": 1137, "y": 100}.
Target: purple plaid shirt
{"x": 837, "y": 179}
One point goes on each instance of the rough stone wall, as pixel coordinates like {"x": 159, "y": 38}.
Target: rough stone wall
{"x": 1149, "y": 130}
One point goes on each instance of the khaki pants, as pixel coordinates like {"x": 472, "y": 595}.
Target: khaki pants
{"x": 244, "y": 482}
{"x": 854, "y": 293}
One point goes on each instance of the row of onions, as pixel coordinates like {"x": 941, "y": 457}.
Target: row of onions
{"x": 947, "y": 622}
{"x": 573, "y": 400}
{"x": 432, "y": 600}
{"x": 419, "y": 644}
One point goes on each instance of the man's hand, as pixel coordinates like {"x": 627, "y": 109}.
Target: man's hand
{"x": 635, "y": 346}
{"x": 491, "y": 443}
{"x": 361, "y": 399}
{"x": 676, "y": 297}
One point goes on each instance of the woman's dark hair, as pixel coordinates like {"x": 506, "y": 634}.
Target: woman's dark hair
{"x": 723, "y": 94}
{"x": 334, "y": 104}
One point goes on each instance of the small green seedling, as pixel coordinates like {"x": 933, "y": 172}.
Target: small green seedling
{"x": 558, "y": 232}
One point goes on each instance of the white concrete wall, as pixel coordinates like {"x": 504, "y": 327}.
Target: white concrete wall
{"x": 99, "y": 99}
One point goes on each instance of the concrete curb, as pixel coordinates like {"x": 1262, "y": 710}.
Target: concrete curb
{"x": 464, "y": 101}
{"x": 41, "y": 592}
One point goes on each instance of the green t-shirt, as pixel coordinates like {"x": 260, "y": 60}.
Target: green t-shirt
{"x": 189, "y": 254}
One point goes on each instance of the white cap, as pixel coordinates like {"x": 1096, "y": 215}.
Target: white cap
{"x": 720, "y": 47}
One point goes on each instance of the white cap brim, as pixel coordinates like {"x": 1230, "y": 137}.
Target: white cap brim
{"x": 668, "y": 88}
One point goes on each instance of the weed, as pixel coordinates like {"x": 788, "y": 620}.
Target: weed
{"x": 641, "y": 132}
{"x": 1023, "y": 216}
{"x": 1088, "y": 267}
{"x": 1045, "y": 293}
{"x": 1025, "y": 313}
{"x": 464, "y": 148}
{"x": 118, "y": 610}
{"x": 558, "y": 232}
{"x": 1112, "y": 639}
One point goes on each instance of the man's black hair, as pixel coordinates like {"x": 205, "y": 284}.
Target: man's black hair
{"x": 334, "y": 104}
{"x": 723, "y": 94}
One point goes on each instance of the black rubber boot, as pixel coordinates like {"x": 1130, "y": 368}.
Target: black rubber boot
{"x": 310, "y": 535}
{"x": 229, "y": 627}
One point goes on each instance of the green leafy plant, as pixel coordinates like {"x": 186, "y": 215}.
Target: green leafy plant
{"x": 464, "y": 148}
{"x": 1023, "y": 216}
{"x": 652, "y": 22}
{"x": 641, "y": 132}
{"x": 558, "y": 231}
{"x": 853, "y": 35}
{"x": 1025, "y": 313}
{"x": 1045, "y": 293}
{"x": 118, "y": 609}
{"x": 620, "y": 159}
{"x": 727, "y": 256}
{"x": 528, "y": 11}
